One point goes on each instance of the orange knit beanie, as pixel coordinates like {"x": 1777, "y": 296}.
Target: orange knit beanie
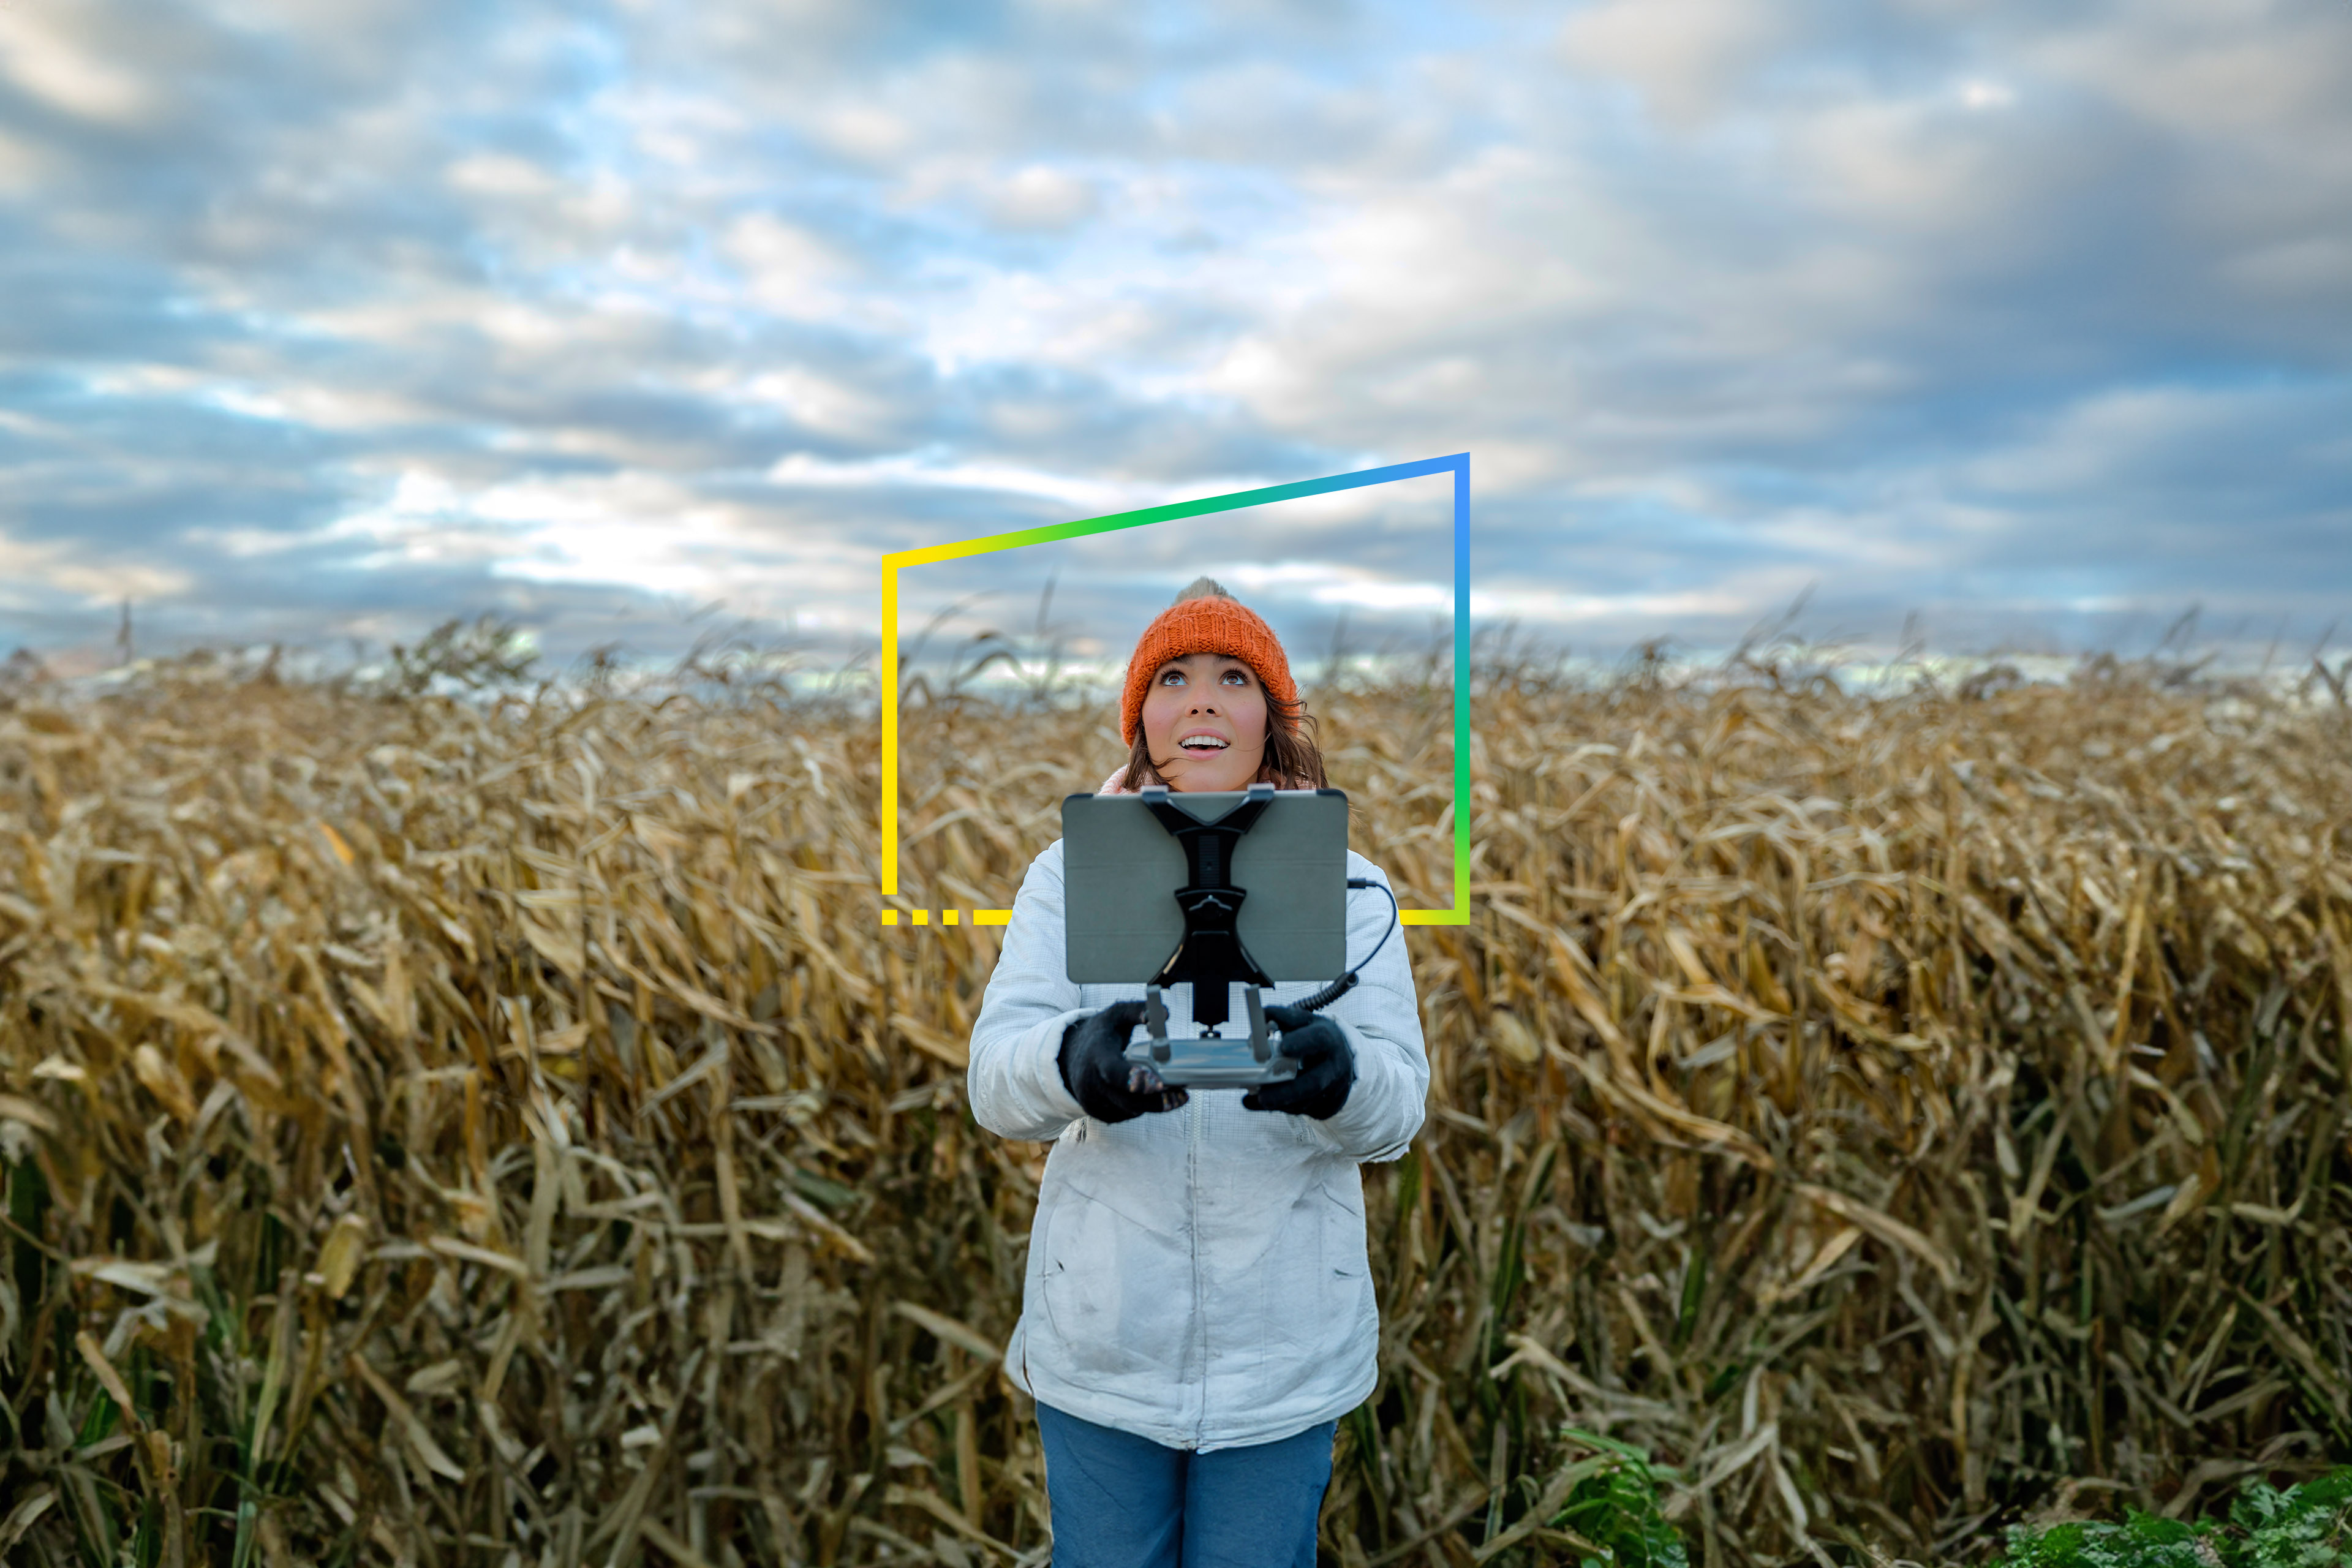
{"x": 1205, "y": 620}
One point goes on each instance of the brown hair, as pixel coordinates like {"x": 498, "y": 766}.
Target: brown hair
{"x": 1292, "y": 759}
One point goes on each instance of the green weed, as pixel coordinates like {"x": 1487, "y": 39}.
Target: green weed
{"x": 1614, "y": 1507}
{"x": 2305, "y": 1526}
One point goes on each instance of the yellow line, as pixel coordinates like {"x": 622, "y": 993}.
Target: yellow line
{"x": 890, "y": 731}
{"x": 992, "y": 917}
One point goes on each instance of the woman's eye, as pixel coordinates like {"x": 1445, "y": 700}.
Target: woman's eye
{"x": 1235, "y": 678}
{"x": 1173, "y": 678}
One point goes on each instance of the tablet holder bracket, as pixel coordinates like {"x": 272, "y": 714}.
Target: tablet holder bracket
{"x": 1211, "y": 956}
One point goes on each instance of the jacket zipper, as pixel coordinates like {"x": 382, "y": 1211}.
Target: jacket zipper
{"x": 1197, "y": 1111}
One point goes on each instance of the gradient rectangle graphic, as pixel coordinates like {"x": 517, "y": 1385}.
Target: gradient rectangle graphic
{"x": 1458, "y": 465}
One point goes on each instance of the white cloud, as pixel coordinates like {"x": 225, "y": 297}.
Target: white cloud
{"x": 793, "y": 271}
{"x": 501, "y": 175}
{"x": 1335, "y": 584}
{"x": 2209, "y": 67}
{"x": 44, "y": 54}
{"x": 21, "y": 163}
{"x": 673, "y": 298}
{"x": 34, "y": 571}
{"x": 1682, "y": 55}
{"x": 1040, "y": 197}
{"x": 865, "y": 132}
{"x": 824, "y": 402}
{"x": 1078, "y": 496}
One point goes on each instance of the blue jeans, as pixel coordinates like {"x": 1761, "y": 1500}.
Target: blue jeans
{"x": 1124, "y": 1501}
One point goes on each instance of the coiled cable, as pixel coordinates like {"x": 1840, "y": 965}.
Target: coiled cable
{"x": 1347, "y": 982}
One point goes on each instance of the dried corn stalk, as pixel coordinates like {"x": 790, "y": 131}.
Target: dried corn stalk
{"x": 441, "y": 1134}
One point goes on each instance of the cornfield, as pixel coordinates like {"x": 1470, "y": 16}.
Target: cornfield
{"x": 448, "y": 1132}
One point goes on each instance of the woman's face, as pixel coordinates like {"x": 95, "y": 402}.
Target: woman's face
{"x": 1204, "y": 721}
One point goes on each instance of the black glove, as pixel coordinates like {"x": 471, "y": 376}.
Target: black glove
{"x": 1095, "y": 1068}
{"x": 1327, "y": 1066}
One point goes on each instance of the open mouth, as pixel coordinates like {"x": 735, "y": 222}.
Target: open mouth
{"x": 1201, "y": 744}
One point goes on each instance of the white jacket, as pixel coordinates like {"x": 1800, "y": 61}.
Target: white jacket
{"x": 1196, "y": 1277}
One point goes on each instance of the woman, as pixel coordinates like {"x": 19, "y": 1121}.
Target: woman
{"x": 1198, "y": 1312}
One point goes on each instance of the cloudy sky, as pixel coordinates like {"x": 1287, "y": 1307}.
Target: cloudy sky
{"x": 324, "y": 322}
